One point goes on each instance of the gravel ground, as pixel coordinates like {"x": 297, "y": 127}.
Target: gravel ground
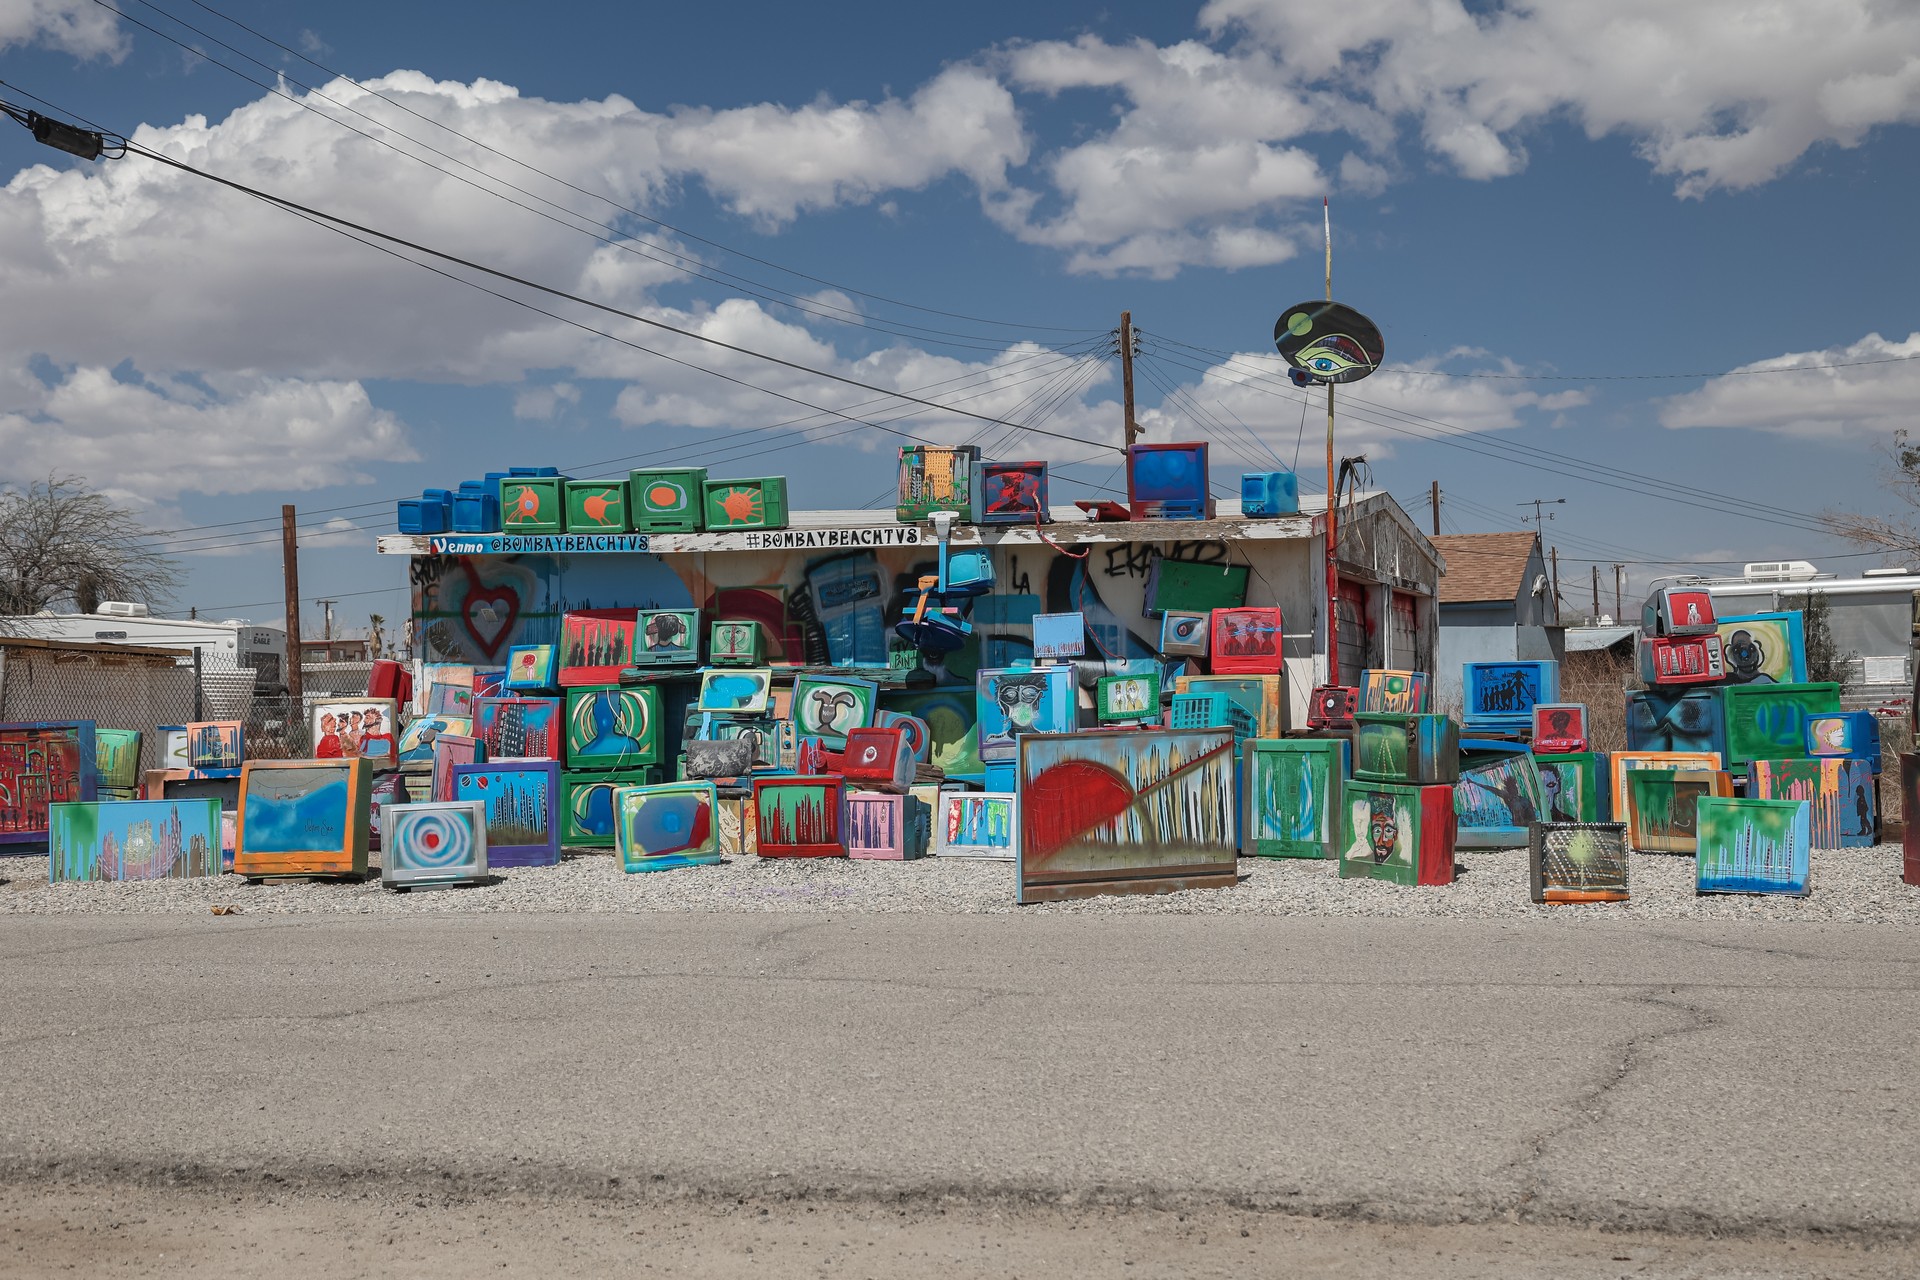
{"x": 1849, "y": 885}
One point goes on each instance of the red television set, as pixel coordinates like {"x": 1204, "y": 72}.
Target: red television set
{"x": 1332, "y": 706}
{"x": 801, "y": 817}
{"x": 878, "y": 760}
{"x": 1668, "y": 660}
{"x": 1245, "y": 641}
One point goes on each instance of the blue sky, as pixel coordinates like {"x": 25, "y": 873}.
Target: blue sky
{"x": 1569, "y": 196}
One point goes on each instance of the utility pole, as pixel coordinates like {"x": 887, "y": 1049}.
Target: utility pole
{"x": 1619, "y": 609}
{"x": 290, "y": 570}
{"x": 1333, "y": 523}
{"x": 1556, "y": 586}
{"x": 1126, "y": 373}
{"x": 1433, "y": 496}
{"x": 1596, "y": 593}
{"x": 326, "y": 626}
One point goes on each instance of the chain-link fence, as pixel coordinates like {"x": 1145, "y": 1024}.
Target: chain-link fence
{"x": 123, "y": 687}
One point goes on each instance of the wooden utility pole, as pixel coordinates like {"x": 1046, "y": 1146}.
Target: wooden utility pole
{"x": 290, "y": 570}
{"x": 1333, "y": 531}
{"x": 1554, "y": 554}
{"x": 1619, "y": 609}
{"x": 1434, "y": 497}
{"x": 1126, "y": 373}
{"x": 1596, "y": 593}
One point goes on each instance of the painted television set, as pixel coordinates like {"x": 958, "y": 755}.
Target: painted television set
{"x": 123, "y": 840}
{"x": 1401, "y": 692}
{"x": 1753, "y": 846}
{"x": 1184, "y": 634}
{"x": 1661, "y": 804}
{"x": 1417, "y": 750}
{"x": 433, "y": 842}
{"x": 1574, "y": 786}
{"x": 42, "y": 763}
{"x": 674, "y": 824}
{"x": 936, "y": 478}
{"x": 667, "y": 638}
{"x": 977, "y": 824}
{"x": 596, "y": 645}
{"x": 1559, "y": 728}
{"x": 1146, "y": 811}
{"x": 304, "y": 818}
{"x": 1332, "y": 706}
{"x": 1841, "y": 794}
{"x": 1500, "y": 696}
{"x": 1168, "y": 482}
{"x": 1400, "y": 834}
{"x": 1769, "y": 721}
{"x": 1498, "y": 795}
{"x": 1296, "y": 796}
{"x": 521, "y": 799}
{"x": 800, "y": 817}
{"x": 1620, "y": 763}
{"x": 519, "y": 728}
{"x": 1022, "y": 700}
{"x": 1677, "y": 720}
{"x": 1010, "y": 493}
{"x": 1681, "y": 660}
{"x": 1245, "y": 641}
{"x": 1570, "y": 862}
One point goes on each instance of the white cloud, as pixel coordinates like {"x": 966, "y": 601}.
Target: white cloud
{"x": 79, "y": 27}
{"x": 1871, "y": 394}
{"x": 144, "y": 440}
{"x": 538, "y": 403}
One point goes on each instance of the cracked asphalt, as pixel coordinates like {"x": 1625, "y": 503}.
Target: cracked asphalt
{"x": 1693, "y": 1077}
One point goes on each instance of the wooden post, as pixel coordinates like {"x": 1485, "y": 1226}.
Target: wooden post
{"x": 290, "y": 570}
{"x": 1619, "y": 609}
{"x": 1554, "y": 554}
{"x": 1434, "y": 497}
{"x": 1126, "y": 374}
{"x": 1333, "y": 528}
{"x": 1596, "y": 593}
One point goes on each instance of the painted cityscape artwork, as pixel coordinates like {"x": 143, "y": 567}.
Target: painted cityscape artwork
{"x": 42, "y": 764}
{"x": 450, "y": 750}
{"x": 1578, "y": 862}
{"x": 518, "y": 728}
{"x": 116, "y": 754}
{"x": 1296, "y": 794}
{"x": 1147, "y": 811}
{"x": 615, "y": 728}
{"x": 976, "y": 824}
{"x": 304, "y": 817}
{"x": 433, "y": 842}
{"x": 672, "y": 825}
{"x": 133, "y": 840}
{"x": 596, "y": 645}
{"x": 1753, "y": 846}
{"x": 800, "y": 817}
{"x": 213, "y": 744}
{"x": 1840, "y": 795}
{"x": 520, "y": 801}
{"x": 877, "y": 827}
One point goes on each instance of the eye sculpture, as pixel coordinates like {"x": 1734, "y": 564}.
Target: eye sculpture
{"x": 1327, "y": 342}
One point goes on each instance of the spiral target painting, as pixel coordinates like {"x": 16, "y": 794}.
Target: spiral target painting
{"x": 435, "y": 840}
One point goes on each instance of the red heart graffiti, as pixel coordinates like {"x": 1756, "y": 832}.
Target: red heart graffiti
{"x": 489, "y": 614}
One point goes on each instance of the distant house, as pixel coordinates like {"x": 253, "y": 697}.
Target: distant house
{"x": 1496, "y": 605}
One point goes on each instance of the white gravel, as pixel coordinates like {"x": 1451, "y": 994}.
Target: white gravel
{"x": 1851, "y": 885}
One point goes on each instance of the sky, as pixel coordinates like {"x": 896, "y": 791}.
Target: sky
{"x": 1655, "y": 260}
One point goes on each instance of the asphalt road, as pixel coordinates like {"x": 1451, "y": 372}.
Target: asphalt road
{"x": 1691, "y": 1077}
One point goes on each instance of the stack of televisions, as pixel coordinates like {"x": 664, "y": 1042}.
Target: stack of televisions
{"x": 539, "y": 500}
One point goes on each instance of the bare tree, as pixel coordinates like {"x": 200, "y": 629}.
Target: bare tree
{"x": 62, "y": 542}
{"x": 1899, "y": 538}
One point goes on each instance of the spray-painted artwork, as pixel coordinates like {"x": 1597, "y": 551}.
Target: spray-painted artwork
{"x": 1400, "y": 834}
{"x": 520, "y": 799}
{"x": 1659, "y": 720}
{"x": 1764, "y": 648}
{"x": 800, "y": 817}
{"x": 1059, "y": 635}
{"x": 449, "y": 750}
{"x": 1840, "y": 795}
{"x": 304, "y": 817}
{"x": 597, "y": 644}
{"x": 1619, "y": 762}
{"x": 1296, "y": 793}
{"x": 671, "y": 825}
{"x": 133, "y": 840}
{"x": 1502, "y": 695}
{"x": 918, "y": 733}
{"x": 1559, "y": 728}
{"x": 826, "y": 707}
{"x": 1574, "y": 786}
{"x": 116, "y": 754}
{"x": 614, "y": 728}
{"x": 518, "y": 728}
{"x": 1127, "y": 698}
{"x": 977, "y": 824}
{"x": 42, "y": 764}
{"x": 588, "y": 816}
{"x": 741, "y": 691}
{"x": 1147, "y": 811}
{"x": 433, "y": 842}
{"x": 444, "y": 699}
{"x": 1017, "y": 701}
{"x": 532, "y": 668}
{"x": 1753, "y": 846}
{"x": 1769, "y": 722}
{"x": 355, "y": 729}
{"x": 1422, "y": 750}
{"x": 1578, "y": 862}
{"x": 1401, "y": 692}
{"x": 883, "y": 828}
{"x": 416, "y": 740}
{"x": 1245, "y": 641}
{"x": 214, "y": 744}
{"x": 1851, "y": 735}
{"x": 1498, "y": 795}
{"x": 181, "y": 784}
{"x": 1328, "y": 342}
{"x": 1661, "y": 804}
